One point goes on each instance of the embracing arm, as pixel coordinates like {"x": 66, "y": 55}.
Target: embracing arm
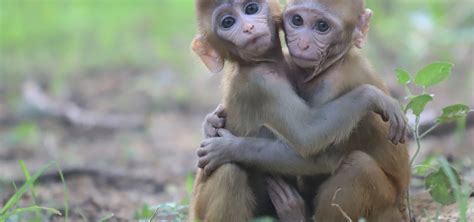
{"x": 309, "y": 131}
{"x": 268, "y": 155}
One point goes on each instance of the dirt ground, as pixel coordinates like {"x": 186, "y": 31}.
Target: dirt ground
{"x": 118, "y": 171}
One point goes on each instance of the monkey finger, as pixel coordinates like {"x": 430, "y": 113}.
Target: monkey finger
{"x": 202, "y": 162}
{"x": 210, "y": 131}
{"x": 275, "y": 198}
{"x": 201, "y": 152}
{"x": 392, "y": 130}
{"x": 404, "y": 135}
{"x": 274, "y": 191}
{"x": 220, "y": 111}
{"x": 383, "y": 114}
{"x": 209, "y": 168}
{"x": 399, "y": 131}
{"x": 386, "y": 116}
{"x": 205, "y": 142}
{"x": 224, "y": 133}
{"x": 215, "y": 121}
{"x": 297, "y": 195}
{"x": 285, "y": 187}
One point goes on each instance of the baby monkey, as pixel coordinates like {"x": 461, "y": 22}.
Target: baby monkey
{"x": 257, "y": 91}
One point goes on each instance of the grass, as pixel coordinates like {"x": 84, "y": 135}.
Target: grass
{"x": 12, "y": 211}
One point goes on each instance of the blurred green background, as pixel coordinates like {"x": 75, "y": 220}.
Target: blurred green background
{"x": 58, "y": 39}
{"x": 132, "y": 57}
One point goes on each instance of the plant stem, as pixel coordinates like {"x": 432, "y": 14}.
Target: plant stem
{"x": 429, "y": 130}
{"x": 408, "y": 91}
{"x": 410, "y": 213}
{"x": 417, "y": 139}
{"x": 418, "y": 147}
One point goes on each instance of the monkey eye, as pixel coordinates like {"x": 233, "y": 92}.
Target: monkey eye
{"x": 251, "y": 8}
{"x": 297, "y": 20}
{"x": 322, "y": 26}
{"x": 228, "y": 22}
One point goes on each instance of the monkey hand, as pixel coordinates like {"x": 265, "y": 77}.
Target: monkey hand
{"x": 213, "y": 122}
{"x": 217, "y": 151}
{"x": 288, "y": 203}
{"x": 390, "y": 111}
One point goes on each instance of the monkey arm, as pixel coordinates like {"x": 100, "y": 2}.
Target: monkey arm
{"x": 276, "y": 156}
{"x": 309, "y": 131}
{"x": 269, "y": 155}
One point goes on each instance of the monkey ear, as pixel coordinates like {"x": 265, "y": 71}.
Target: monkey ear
{"x": 362, "y": 29}
{"x": 208, "y": 55}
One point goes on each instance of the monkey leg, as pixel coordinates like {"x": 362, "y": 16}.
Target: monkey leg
{"x": 358, "y": 189}
{"x": 225, "y": 196}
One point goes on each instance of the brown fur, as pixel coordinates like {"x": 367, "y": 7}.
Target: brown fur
{"x": 232, "y": 193}
{"x": 374, "y": 174}
{"x": 371, "y": 172}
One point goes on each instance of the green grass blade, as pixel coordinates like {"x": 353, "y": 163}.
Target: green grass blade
{"x": 29, "y": 209}
{"x": 106, "y": 217}
{"x": 16, "y": 197}
{"x": 66, "y": 192}
{"x": 27, "y": 175}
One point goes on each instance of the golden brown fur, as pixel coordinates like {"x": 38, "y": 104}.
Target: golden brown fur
{"x": 370, "y": 172}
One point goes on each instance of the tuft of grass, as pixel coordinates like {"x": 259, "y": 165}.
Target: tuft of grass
{"x": 11, "y": 208}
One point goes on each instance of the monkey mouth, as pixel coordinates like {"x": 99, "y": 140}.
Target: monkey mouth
{"x": 254, "y": 40}
{"x": 303, "y": 58}
{"x": 304, "y": 61}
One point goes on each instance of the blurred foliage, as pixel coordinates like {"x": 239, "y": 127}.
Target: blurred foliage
{"x": 26, "y": 133}
{"x": 56, "y": 38}
{"x": 422, "y": 30}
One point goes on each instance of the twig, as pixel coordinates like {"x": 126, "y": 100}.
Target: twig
{"x": 339, "y": 207}
{"x": 72, "y": 113}
{"x": 443, "y": 129}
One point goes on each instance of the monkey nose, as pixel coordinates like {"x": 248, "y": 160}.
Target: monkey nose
{"x": 303, "y": 45}
{"x": 248, "y": 28}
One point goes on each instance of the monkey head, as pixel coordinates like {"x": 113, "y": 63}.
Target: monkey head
{"x": 320, "y": 32}
{"x": 242, "y": 30}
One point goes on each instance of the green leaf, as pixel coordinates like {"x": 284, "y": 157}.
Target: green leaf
{"x": 453, "y": 112}
{"x": 418, "y": 103}
{"x": 433, "y": 74}
{"x": 403, "y": 76}
{"x": 440, "y": 189}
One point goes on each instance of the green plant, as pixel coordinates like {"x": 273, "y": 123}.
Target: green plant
{"x": 167, "y": 211}
{"x": 12, "y": 212}
{"x": 444, "y": 182}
